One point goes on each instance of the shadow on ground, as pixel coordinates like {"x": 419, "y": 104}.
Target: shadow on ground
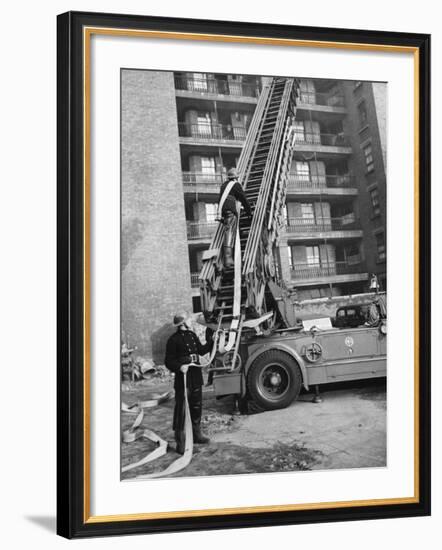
{"x": 48, "y": 523}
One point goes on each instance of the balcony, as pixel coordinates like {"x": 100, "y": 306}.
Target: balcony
{"x": 200, "y": 230}
{"x": 322, "y": 99}
{"x": 212, "y": 132}
{"x": 310, "y": 229}
{"x": 214, "y": 179}
{"x": 203, "y": 183}
{"x": 334, "y": 184}
{"x": 305, "y": 181}
{"x": 329, "y": 140}
{"x": 311, "y": 225}
{"x": 216, "y": 86}
{"x": 344, "y": 271}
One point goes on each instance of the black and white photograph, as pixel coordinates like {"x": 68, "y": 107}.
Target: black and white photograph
{"x": 199, "y": 253}
{"x": 253, "y": 274}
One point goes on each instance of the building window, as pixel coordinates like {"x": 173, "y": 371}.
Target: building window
{"x": 380, "y": 245}
{"x": 207, "y": 168}
{"x": 352, "y": 255}
{"x": 204, "y": 124}
{"x": 375, "y": 204}
{"x": 302, "y": 171}
{"x": 199, "y": 82}
{"x": 299, "y": 131}
{"x": 289, "y": 251}
{"x": 362, "y": 113}
{"x": 211, "y": 211}
{"x": 312, "y": 255}
{"x": 307, "y": 211}
{"x": 368, "y": 153}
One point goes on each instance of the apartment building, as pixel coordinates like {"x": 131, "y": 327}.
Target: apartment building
{"x": 335, "y": 210}
{"x": 322, "y": 252}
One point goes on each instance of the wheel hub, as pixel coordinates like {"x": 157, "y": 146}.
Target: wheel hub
{"x": 275, "y": 379}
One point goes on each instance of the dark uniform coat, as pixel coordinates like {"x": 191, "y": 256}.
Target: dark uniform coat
{"x": 180, "y": 346}
{"x": 236, "y": 194}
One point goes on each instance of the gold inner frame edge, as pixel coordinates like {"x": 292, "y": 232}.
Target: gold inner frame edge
{"x": 87, "y": 33}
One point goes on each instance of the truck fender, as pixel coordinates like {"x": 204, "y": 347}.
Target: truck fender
{"x": 285, "y": 349}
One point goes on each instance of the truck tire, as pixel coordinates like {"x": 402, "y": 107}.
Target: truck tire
{"x": 274, "y": 381}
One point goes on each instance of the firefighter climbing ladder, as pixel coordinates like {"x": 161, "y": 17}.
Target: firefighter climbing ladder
{"x": 263, "y": 169}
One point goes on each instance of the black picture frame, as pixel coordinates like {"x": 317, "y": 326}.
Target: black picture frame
{"x": 72, "y": 515}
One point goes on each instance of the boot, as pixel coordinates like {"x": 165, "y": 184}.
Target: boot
{"x": 228, "y": 257}
{"x": 180, "y": 440}
{"x": 198, "y": 437}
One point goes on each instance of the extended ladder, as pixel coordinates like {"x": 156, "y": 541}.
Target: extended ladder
{"x": 263, "y": 171}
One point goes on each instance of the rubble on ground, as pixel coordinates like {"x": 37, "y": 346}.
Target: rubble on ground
{"x": 289, "y": 458}
{"x": 137, "y": 369}
{"x": 215, "y": 422}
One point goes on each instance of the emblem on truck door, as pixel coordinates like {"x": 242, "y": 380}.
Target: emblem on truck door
{"x": 349, "y": 341}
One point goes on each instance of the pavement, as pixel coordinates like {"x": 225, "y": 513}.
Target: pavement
{"x": 346, "y": 430}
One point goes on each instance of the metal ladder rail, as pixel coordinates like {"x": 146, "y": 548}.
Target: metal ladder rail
{"x": 260, "y": 210}
{"x": 262, "y": 150}
{"x": 267, "y": 121}
{"x": 263, "y": 191}
{"x": 242, "y": 166}
{"x": 261, "y": 273}
{"x": 224, "y": 294}
{"x": 209, "y": 280}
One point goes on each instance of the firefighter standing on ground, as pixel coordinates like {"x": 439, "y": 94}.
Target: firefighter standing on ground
{"x": 184, "y": 347}
{"x": 229, "y": 212}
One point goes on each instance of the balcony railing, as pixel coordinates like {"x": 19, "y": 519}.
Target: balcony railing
{"x": 318, "y": 98}
{"x": 212, "y": 131}
{"x": 321, "y": 269}
{"x": 201, "y": 178}
{"x": 330, "y": 140}
{"x": 355, "y": 259}
{"x": 301, "y": 225}
{"x": 194, "y": 280}
{"x": 201, "y": 230}
{"x": 216, "y": 86}
{"x": 312, "y": 181}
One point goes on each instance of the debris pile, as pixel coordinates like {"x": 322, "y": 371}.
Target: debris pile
{"x": 216, "y": 422}
{"x": 290, "y": 458}
{"x": 139, "y": 368}
{"x": 161, "y": 373}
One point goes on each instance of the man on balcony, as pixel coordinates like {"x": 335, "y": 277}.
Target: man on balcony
{"x": 231, "y": 197}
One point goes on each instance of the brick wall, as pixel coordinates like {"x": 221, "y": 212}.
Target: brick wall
{"x": 373, "y": 133}
{"x": 155, "y": 274}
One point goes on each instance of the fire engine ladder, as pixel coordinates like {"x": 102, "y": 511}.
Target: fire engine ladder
{"x": 263, "y": 171}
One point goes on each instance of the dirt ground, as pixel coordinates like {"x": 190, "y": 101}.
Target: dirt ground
{"x": 346, "y": 430}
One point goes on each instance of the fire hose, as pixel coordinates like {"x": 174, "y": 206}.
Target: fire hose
{"x": 133, "y": 433}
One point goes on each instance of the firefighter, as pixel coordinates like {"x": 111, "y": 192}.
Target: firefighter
{"x": 229, "y": 206}
{"x": 376, "y": 312}
{"x": 182, "y": 348}
{"x": 374, "y": 283}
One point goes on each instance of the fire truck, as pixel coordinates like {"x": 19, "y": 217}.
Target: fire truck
{"x": 264, "y": 355}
